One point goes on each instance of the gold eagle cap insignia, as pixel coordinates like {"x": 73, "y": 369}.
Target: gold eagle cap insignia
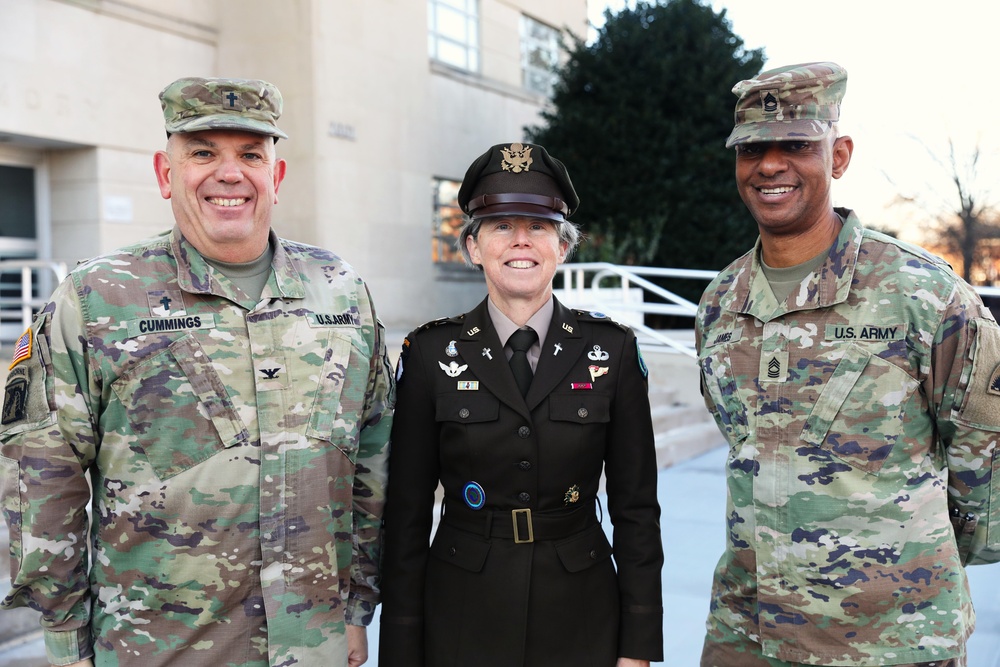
{"x": 516, "y": 158}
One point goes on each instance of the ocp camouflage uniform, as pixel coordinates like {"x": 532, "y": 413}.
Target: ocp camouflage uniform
{"x": 861, "y": 414}
{"x": 234, "y": 448}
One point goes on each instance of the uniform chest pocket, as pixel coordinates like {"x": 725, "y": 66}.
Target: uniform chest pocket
{"x": 178, "y": 408}
{"x": 338, "y": 390}
{"x": 858, "y": 417}
{"x": 723, "y": 393}
{"x": 580, "y": 408}
{"x": 467, "y": 407}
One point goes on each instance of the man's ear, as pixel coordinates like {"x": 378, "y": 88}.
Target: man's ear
{"x": 279, "y": 176}
{"x": 161, "y": 165}
{"x": 843, "y": 148}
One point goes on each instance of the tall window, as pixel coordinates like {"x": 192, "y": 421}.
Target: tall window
{"x": 447, "y": 221}
{"x": 453, "y": 32}
{"x": 539, "y": 55}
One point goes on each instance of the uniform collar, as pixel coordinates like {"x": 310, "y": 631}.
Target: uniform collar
{"x": 828, "y": 285}
{"x": 194, "y": 274}
{"x": 505, "y": 326}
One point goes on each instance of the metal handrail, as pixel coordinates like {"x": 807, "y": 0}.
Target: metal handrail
{"x": 597, "y": 297}
{"x": 578, "y": 294}
{"x": 24, "y": 307}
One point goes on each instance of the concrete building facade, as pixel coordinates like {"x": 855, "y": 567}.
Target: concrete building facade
{"x": 386, "y": 104}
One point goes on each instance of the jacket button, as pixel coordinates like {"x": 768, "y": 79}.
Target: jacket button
{"x": 593, "y": 554}
{"x": 464, "y": 413}
{"x": 582, "y": 412}
{"x": 524, "y": 465}
{"x": 524, "y": 497}
{"x": 524, "y": 431}
{"x": 452, "y": 551}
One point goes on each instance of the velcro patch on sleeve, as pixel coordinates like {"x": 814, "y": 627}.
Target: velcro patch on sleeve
{"x": 982, "y": 402}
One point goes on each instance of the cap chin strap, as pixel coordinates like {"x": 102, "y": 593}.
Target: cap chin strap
{"x": 513, "y": 203}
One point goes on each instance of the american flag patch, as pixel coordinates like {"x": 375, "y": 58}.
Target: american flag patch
{"x": 22, "y": 349}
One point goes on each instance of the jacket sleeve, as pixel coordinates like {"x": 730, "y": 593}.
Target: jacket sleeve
{"x": 966, "y": 375}
{"x": 371, "y": 472}
{"x": 413, "y": 478}
{"x": 48, "y": 441}
{"x": 631, "y": 471}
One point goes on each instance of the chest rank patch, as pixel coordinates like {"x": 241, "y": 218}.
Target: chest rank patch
{"x": 724, "y": 337}
{"x": 864, "y": 332}
{"x": 270, "y": 374}
{"x": 774, "y": 366}
{"x": 154, "y": 325}
{"x": 344, "y": 319}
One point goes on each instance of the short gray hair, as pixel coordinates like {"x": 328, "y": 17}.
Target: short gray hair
{"x": 569, "y": 233}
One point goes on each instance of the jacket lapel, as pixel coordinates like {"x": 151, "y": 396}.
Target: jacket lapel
{"x": 480, "y": 347}
{"x": 563, "y": 347}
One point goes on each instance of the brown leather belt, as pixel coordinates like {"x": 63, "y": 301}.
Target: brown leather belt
{"x": 521, "y": 525}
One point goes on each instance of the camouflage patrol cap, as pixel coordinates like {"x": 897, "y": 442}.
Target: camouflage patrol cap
{"x": 794, "y": 103}
{"x": 517, "y": 179}
{"x": 246, "y": 105}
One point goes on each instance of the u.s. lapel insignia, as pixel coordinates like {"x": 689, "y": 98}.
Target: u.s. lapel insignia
{"x": 472, "y": 332}
{"x": 572, "y": 495}
{"x": 453, "y": 370}
{"x": 567, "y": 328}
{"x": 597, "y": 354}
{"x": 451, "y": 350}
{"x": 597, "y": 371}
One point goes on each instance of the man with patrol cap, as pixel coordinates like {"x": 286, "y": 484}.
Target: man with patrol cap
{"x": 855, "y": 378}
{"x": 227, "y": 393}
{"x": 515, "y": 408}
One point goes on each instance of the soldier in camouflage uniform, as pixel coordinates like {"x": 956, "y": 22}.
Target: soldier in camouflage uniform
{"x": 856, "y": 379}
{"x": 227, "y": 394}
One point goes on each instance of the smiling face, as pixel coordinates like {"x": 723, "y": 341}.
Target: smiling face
{"x": 519, "y": 256}
{"x": 222, "y": 186}
{"x": 786, "y": 184}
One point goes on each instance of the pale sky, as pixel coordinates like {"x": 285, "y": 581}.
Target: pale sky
{"x": 917, "y": 77}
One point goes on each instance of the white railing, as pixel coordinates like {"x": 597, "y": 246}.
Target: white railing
{"x": 632, "y": 298}
{"x": 635, "y": 296}
{"x": 34, "y": 276}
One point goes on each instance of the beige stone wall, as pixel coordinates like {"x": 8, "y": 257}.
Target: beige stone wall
{"x": 370, "y": 118}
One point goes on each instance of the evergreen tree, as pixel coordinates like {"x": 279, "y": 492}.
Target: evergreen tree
{"x": 640, "y": 117}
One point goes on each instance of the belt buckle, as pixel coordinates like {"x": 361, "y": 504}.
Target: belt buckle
{"x": 517, "y": 532}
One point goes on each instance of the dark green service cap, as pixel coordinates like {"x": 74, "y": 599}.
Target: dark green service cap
{"x": 247, "y": 105}
{"x": 793, "y": 103}
{"x": 517, "y": 179}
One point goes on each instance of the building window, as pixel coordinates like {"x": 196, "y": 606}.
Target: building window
{"x": 447, "y": 221}
{"x": 539, "y": 55}
{"x": 453, "y": 33}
